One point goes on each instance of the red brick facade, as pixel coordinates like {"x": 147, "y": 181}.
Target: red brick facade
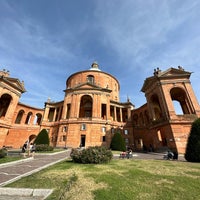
{"x": 91, "y": 112}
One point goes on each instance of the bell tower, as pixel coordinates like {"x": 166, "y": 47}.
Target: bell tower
{"x": 168, "y": 92}
{"x": 10, "y": 92}
{"x": 172, "y": 106}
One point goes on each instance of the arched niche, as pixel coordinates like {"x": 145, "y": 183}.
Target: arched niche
{"x": 19, "y": 117}
{"x": 86, "y": 106}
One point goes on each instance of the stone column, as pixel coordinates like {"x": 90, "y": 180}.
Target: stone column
{"x": 31, "y": 121}
{"x": 73, "y": 105}
{"x": 108, "y": 108}
{"x": 54, "y": 114}
{"x": 46, "y": 113}
{"x": 77, "y": 106}
{"x": 120, "y": 111}
{"x": 129, "y": 114}
{"x": 115, "y": 114}
{"x": 98, "y": 105}
{"x": 64, "y": 111}
{"x": 94, "y": 106}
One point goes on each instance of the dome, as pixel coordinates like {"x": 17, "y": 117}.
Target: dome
{"x": 95, "y": 67}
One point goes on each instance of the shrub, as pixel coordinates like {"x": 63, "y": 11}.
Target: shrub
{"x": 118, "y": 142}
{"x": 42, "y": 137}
{"x": 43, "y": 147}
{"x": 192, "y": 153}
{"x": 95, "y": 155}
{"x": 3, "y": 153}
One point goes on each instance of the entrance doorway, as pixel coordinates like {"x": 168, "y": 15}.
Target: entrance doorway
{"x": 82, "y": 144}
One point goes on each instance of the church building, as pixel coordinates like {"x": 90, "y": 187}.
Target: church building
{"x": 91, "y": 112}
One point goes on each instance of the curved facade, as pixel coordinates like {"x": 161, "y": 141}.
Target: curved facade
{"x": 91, "y": 112}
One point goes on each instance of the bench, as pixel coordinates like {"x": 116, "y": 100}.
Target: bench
{"x": 14, "y": 153}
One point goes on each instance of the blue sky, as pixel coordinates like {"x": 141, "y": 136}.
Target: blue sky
{"x": 43, "y": 42}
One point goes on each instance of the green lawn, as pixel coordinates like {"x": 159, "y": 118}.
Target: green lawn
{"x": 125, "y": 179}
{"x": 10, "y": 159}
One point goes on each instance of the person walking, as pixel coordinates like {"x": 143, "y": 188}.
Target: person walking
{"x": 24, "y": 148}
{"x": 32, "y": 149}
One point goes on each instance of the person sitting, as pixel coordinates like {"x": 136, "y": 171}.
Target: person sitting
{"x": 129, "y": 154}
{"x": 170, "y": 155}
{"x": 123, "y": 154}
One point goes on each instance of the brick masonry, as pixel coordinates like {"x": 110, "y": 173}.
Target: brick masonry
{"x": 91, "y": 112}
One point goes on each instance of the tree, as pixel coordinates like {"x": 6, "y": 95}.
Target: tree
{"x": 42, "y": 138}
{"x": 192, "y": 153}
{"x": 118, "y": 142}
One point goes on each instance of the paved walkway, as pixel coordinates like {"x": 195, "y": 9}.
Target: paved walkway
{"x": 11, "y": 172}
{"x": 152, "y": 155}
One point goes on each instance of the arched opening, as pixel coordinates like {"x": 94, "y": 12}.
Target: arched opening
{"x": 177, "y": 107}
{"x": 38, "y": 118}
{"x": 19, "y": 117}
{"x": 157, "y": 114}
{"x": 180, "y": 101}
{"x": 28, "y": 118}
{"x": 4, "y": 104}
{"x": 85, "y": 107}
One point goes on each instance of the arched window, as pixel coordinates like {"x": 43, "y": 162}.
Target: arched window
{"x": 38, "y": 118}
{"x": 85, "y": 107}
{"x": 4, "y": 104}
{"x": 19, "y": 117}
{"x": 28, "y": 118}
{"x": 180, "y": 101}
{"x": 90, "y": 79}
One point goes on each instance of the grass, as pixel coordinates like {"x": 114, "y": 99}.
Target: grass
{"x": 10, "y": 159}
{"x": 118, "y": 180}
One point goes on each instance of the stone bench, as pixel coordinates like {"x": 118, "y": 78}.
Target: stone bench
{"x": 14, "y": 152}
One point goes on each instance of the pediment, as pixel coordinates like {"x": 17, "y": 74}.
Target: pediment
{"x": 15, "y": 83}
{"x": 173, "y": 72}
{"x": 88, "y": 86}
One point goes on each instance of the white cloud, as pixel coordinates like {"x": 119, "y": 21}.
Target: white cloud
{"x": 135, "y": 29}
{"x": 130, "y": 38}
